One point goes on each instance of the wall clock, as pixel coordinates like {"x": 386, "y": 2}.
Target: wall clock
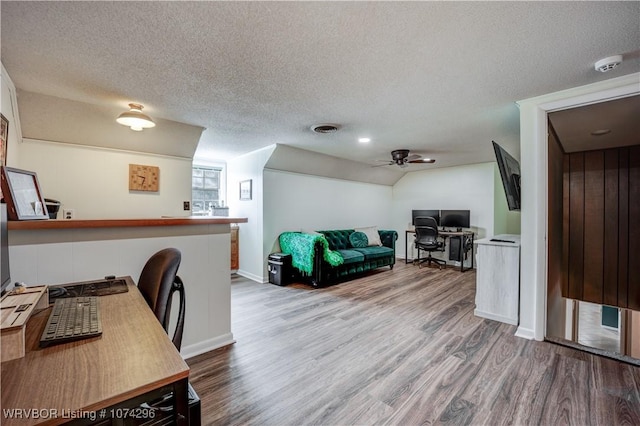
{"x": 144, "y": 178}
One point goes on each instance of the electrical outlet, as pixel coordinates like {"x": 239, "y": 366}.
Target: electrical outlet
{"x": 68, "y": 213}
{"x": 186, "y": 205}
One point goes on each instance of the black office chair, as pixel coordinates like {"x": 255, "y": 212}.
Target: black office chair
{"x": 427, "y": 240}
{"x": 158, "y": 281}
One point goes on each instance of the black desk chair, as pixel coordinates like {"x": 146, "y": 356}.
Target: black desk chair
{"x": 427, "y": 240}
{"x": 158, "y": 281}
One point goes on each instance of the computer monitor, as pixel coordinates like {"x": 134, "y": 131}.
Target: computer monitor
{"x": 455, "y": 218}
{"x": 425, "y": 213}
{"x": 4, "y": 249}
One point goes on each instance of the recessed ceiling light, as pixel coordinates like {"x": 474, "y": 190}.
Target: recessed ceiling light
{"x": 601, "y": 132}
{"x": 364, "y": 140}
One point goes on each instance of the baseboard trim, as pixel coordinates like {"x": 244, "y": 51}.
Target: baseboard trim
{"x": 525, "y": 333}
{"x": 207, "y": 345}
{"x": 252, "y": 277}
{"x": 495, "y": 317}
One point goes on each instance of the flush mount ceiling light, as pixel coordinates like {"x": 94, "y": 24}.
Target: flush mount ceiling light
{"x": 364, "y": 140}
{"x": 135, "y": 118}
{"x": 607, "y": 64}
{"x": 325, "y": 128}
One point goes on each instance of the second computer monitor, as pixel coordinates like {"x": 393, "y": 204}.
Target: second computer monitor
{"x": 455, "y": 218}
{"x": 425, "y": 213}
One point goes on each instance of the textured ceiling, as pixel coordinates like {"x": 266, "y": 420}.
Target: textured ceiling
{"x": 439, "y": 78}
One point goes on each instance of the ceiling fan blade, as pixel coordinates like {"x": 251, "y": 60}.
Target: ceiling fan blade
{"x": 423, "y": 161}
{"x": 387, "y": 163}
{"x": 413, "y": 157}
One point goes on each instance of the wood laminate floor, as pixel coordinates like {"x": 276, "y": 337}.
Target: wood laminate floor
{"x": 398, "y": 347}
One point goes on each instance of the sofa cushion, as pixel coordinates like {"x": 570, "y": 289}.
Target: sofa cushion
{"x": 351, "y": 256}
{"x": 338, "y": 239}
{"x": 375, "y": 252}
{"x": 372, "y": 235}
{"x": 359, "y": 239}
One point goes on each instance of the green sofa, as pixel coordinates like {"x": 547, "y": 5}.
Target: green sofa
{"x": 355, "y": 261}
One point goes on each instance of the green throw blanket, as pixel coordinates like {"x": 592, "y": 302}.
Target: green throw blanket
{"x": 300, "y": 247}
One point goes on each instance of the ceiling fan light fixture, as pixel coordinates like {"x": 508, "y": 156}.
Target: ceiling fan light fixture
{"x": 135, "y": 118}
{"x": 403, "y": 157}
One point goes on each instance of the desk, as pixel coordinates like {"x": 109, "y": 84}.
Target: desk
{"x": 132, "y": 362}
{"x": 445, "y": 234}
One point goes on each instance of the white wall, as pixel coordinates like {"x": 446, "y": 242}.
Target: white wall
{"x": 451, "y": 188}
{"x": 297, "y": 202}
{"x": 504, "y": 221}
{"x": 250, "y": 234}
{"x": 95, "y": 181}
{"x": 62, "y": 256}
{"x": 287, "y": 201}
{"x": 10, "y": 112}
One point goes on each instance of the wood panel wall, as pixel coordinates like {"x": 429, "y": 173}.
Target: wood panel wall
{"x": 601, "y": 226}
{"x": 556, "y": 304}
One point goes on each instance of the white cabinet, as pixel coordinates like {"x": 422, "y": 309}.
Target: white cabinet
{"x": 498, "y": 278}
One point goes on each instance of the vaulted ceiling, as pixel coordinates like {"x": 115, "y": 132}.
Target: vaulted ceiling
{"x": 439, "y": 78}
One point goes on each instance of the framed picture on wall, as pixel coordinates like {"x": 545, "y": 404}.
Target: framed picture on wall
{"x": 245, "y": 190}
{"x": 4, "y": 139}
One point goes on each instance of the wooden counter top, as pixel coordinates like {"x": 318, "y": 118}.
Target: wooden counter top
{"x": 118, "y": 223}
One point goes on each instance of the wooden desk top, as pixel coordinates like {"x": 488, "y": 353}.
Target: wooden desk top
{"x": 447, "y": 233}
{"x": 133, "y": 356}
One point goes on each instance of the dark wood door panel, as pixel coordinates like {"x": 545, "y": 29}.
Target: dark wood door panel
{"x": 593, "y": 226}
{"x": 576, "y": 225}
{"x": 623, "y": 228}
{"x": 601, "y": 226}
{"x": 610, "y": 248}
{"x": 634, "y": 227}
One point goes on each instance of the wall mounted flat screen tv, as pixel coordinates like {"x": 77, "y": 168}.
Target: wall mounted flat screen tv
{"x": 510, "y": 174}
{"x": 425, "y": 213}
{"x": 455, "y": 219}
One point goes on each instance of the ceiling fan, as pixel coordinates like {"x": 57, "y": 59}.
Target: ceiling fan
{"x": 402, "y": 157}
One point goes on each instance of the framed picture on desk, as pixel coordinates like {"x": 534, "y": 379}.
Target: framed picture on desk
{"x": 22, "y": 194}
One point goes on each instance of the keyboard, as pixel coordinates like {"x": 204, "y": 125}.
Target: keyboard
{"x": 72, "y": 319}
{"x": 90, "y": 288}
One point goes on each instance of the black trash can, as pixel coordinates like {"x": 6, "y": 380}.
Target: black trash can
{"x": 280, "y": 269}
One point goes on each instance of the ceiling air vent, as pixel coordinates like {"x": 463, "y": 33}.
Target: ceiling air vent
{"x": 325, "y": 128}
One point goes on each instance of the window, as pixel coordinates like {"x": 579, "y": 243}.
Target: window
{"x": 205, "y": 189}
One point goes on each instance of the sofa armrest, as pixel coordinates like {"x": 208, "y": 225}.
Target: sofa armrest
{"x": 388, "y": 238}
